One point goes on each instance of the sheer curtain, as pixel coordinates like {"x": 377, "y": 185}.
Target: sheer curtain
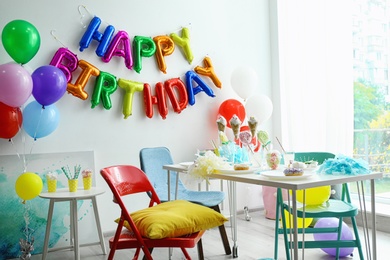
{"x": 312, "y": 75}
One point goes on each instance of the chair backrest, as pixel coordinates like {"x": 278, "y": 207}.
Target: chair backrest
{"x": 127, "y": 179}
{"x": 152, "y": 161}
{"x": 320, "y": 157}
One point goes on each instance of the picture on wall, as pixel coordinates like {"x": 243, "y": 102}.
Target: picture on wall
{"x": 19, "y": 219}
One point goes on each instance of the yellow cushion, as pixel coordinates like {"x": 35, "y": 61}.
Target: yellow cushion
{"x": 174, "y": 218}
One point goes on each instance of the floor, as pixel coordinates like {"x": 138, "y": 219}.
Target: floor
{"x": 255, "y": 241}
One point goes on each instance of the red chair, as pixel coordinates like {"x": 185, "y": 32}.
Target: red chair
{"x": 124, "y": 180}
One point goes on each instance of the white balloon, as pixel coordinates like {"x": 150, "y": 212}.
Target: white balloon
{"x": 259, "y": 106}
{"x": 243, "y": 81}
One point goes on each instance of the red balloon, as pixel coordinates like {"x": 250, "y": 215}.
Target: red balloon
{"x": 10, "y": 121}
{"x": 231, "y": 107}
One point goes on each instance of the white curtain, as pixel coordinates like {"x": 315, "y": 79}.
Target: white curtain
{"x": 313, "y": 75}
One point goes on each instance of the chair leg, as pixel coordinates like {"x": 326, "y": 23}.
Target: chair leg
{"x": 200, "y": 250}
{"x": 150, "y": 251}
{"x": 357, "y": 238}
{"x": 280, "y": 212}
{"x": 222, "y": 231}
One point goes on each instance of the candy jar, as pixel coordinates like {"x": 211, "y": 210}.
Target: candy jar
{"x": 273, "y": 159}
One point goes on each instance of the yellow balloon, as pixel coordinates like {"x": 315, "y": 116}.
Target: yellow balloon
{"x": 288, "y": 217}
{"x": 315, "y": 196}
{"x": 28, "y": 185}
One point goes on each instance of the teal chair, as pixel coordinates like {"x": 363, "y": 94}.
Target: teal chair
{"x": 338, "y": 208}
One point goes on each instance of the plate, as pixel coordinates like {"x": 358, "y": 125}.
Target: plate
{"x": 311, "y": 169}
{"x": 232, "y": 171}
{"x": 279, "y": 175}
{"x": 186, "y": 164}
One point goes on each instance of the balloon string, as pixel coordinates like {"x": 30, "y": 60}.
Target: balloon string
{"x": 82, "y": 15}
{"x": 181, "y": 28}
{"x": 22, "y": 159}
{"x": 35, "y": 136}
{"x": 27, "y": 231}
{"x": 56, "y": 38}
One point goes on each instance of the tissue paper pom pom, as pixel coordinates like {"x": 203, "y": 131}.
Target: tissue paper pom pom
{"x": 343, "y": 165}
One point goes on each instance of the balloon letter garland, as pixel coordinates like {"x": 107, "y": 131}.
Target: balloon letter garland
{"x": 120, "y": 39}
{"x": 178, "y": 105}
{"x": 192, "y": 91}
{"x": 93, "y": 33}
{"x": 66, "y": 61}
{"x": 208, "y": 71}
{"x": 179, "y": 93}
{"x": 105, "y": 85}
{"x": 159, "y": 99}
{"x": 143, "y": 47}
{"x": 88, "y": 70}
{"x": 184, "y": 43}
{"x": 130, "y": 87}
{"x": 164, "y": 47}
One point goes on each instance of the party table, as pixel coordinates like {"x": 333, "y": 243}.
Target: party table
{"x": 64, "y": 195}
{"x": 315, "y": 180}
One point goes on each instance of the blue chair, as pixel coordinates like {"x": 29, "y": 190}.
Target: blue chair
{"x": 152, "y": 161}
{"x": 337, "y": 208}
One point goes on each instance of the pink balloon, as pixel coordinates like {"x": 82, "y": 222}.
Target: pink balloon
{"x": 15, "y": 84}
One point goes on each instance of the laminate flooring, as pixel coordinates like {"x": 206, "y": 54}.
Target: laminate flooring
{"x": 255, "y": 241}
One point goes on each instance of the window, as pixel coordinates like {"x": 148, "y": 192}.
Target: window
{"x": 371, "y": 103}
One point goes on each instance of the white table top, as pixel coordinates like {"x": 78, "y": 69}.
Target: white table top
{"x": 79, "y": 194}
{"x": 292, "y": 184}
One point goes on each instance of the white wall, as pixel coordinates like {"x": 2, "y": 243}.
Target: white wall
{"x": 231, "y": 33}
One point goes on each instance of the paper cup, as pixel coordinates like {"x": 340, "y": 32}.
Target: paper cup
{"x": 51, "y": 185}
{"x": 73, "y": 185}
{"x": 87, "y": 182}
{"x": 288, "y": 156}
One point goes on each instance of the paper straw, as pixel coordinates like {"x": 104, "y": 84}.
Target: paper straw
{"x": 281, "y": 146}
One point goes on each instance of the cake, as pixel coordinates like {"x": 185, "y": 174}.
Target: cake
{"x": 291, "y": 171}
{"x": 241, "y": 167}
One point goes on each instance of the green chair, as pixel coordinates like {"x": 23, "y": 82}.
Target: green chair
{"x": 338, "y": 208}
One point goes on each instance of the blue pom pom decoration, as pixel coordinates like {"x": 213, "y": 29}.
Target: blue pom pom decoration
{"x": 344, "y": 165}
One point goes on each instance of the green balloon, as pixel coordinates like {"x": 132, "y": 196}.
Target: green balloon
{"x": 21, "y": 40}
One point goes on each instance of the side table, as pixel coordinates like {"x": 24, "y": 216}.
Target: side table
{"x": 64, "y": 195}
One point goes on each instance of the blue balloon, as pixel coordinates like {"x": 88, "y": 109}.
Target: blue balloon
{"x": 39, "y": 122}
